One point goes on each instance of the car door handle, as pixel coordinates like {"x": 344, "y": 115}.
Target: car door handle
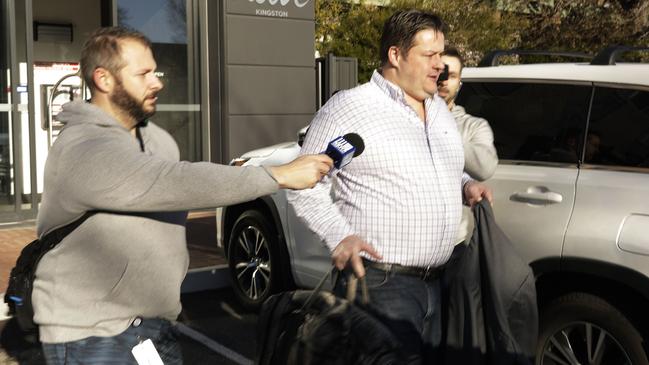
{"x": 537, "y": 195}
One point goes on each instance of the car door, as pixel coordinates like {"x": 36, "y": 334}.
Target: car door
{"x": 538, "y": 127}
{"x": 611, "y": 212}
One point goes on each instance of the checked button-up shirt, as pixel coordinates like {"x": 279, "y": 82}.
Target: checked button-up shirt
{"x": 403, "y": 194}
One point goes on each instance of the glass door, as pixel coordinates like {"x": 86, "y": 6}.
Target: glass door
{"x": 173, "y": 28}
{"x": 18, "y": 193}
{"x": 41, "y": 41}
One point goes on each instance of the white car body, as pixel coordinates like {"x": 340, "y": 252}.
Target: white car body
{"x": 582, "y": 226}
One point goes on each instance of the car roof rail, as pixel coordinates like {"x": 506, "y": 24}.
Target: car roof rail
{"x": 608, "y": 55}
{"x": 491, "y": 58}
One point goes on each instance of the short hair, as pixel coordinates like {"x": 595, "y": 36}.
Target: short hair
{"x": 103, "y": 49}
{"x": 400, "y": 30}
{"x": 451, "y": 51}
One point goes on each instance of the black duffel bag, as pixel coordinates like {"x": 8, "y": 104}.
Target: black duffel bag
{"x": 313, "y": 327}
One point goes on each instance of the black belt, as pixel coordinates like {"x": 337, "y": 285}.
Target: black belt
{"x": 424, "y": 273}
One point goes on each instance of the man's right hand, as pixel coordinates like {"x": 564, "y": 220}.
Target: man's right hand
{"x": 303, "y": 172}
{"x": 348, "y": 250}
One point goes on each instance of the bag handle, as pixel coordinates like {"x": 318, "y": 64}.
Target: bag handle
{"x": 352, "y": 284}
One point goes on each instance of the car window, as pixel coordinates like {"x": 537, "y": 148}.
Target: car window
{"x": 618, "y": 132}
{"x": 531, "y": 122}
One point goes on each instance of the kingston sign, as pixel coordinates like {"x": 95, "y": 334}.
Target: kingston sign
{"x": 298, "y": 3}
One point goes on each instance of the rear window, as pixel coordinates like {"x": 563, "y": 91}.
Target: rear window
{"x": 531, "y": 122}
{"x": 619, "y": 128}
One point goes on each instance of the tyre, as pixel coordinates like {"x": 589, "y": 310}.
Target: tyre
{"x": 255, "y": 260}
{"x": 581, "y": 328}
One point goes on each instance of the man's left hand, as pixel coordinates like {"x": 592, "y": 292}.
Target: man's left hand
{"x": 474, "y": 192}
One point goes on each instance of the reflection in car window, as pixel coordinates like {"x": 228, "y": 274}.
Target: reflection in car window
{"x": 619, "y": 128}
{"x": 531, "y": 122}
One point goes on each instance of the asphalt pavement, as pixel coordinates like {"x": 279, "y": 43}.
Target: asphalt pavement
{"x": 213, "y": 329}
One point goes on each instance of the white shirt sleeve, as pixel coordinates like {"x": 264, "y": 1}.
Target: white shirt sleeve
{"x": 316, "y": 206}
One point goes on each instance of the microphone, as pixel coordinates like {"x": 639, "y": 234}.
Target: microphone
{"x": 342, "y": 149}
{"x": 356, "y": 141}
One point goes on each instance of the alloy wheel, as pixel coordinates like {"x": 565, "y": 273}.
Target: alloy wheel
{"x": 583, "y": 343}
{"x": 252, "y": 262}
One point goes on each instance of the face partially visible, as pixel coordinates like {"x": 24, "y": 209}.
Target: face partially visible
{"x": 418, "y": 70}
{"x": 137, "y": 86}
{"x": 448, "y": 89}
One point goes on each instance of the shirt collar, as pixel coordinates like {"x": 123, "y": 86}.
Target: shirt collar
{"x": 393, "y": 91}
{"x": 396, "y": 93}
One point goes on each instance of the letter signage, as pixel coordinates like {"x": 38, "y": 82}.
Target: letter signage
{"x": 300, "y": 9}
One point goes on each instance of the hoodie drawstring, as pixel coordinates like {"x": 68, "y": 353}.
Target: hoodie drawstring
{"x": 138, "y": 135}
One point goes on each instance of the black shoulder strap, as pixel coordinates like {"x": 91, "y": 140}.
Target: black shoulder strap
{"x": 21, "y": 279}
{"x": 54, "y": 237}
{"x": 31, "y": 254}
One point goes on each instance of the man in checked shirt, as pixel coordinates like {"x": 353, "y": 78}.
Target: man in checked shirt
{"x": 392, "y": 214}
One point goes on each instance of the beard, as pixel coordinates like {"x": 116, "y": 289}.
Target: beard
{"x": 129, "y": 104}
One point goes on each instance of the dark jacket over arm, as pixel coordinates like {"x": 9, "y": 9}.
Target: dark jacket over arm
{"x": 492, "y": 309}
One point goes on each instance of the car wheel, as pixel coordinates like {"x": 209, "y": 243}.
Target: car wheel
{"x": 580, "y": 328}
{"x": 254, "y": 259}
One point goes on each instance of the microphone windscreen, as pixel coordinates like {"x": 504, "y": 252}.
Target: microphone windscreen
{"x": 356, "y": 141}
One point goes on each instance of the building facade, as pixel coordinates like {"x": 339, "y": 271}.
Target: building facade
{"x": 238, "y": 75}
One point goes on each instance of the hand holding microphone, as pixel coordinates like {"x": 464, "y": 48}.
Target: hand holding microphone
{"x": 305, "y": 171}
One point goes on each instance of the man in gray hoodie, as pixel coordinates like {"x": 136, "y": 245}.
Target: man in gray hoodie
{"x": 114, "y": 282}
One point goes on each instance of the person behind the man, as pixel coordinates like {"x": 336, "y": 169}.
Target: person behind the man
{"x": 114, "y": 282}
{"x": 480, "y": 156}
{"x": 395, "y": 208}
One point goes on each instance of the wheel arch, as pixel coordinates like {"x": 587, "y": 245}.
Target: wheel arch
{"x": 624, "y": 288}
{"x": 264, "y": 204}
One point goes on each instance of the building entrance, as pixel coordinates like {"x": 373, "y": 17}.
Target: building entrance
{"x": 41, "y": 42}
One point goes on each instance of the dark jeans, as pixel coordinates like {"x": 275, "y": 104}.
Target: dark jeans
{"x": 409, "y": 306}
{"x": 117, "y": 349}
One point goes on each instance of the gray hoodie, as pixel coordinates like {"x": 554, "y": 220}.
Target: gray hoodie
{"x": 480, "y": 158}
{"x": 130, "y": 262}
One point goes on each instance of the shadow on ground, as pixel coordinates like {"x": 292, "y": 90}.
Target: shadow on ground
{"x": 18, "y": 348}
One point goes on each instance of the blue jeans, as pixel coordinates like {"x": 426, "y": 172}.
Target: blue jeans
{"x": 117, "y": 349}
{"x": 409, "y": 306}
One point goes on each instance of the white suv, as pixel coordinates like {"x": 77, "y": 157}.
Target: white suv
{"x": 571, "y": 192}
